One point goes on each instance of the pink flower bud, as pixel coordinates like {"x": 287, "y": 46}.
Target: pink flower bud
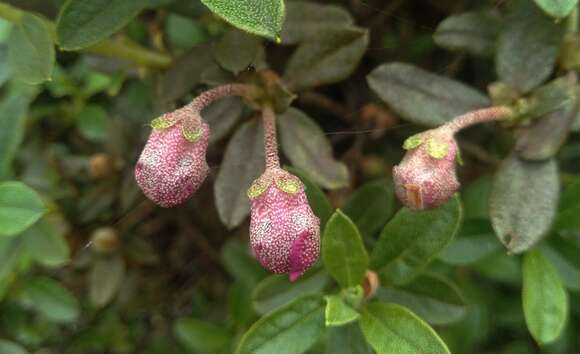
{"x": 284, "y": 232}
{"x": 172, "y": 165}
{"x": 426, "y": 177}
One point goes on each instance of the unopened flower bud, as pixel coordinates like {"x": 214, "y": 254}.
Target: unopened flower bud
{"x": 284, "y": 232}
{"x": 173, "y": 165}
{"x": 105, "y": 240}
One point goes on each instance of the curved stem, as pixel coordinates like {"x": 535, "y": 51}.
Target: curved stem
{"x": 209, "y": 96}
{"x": 479, "y": 116}
{"x": 270, "y": 139}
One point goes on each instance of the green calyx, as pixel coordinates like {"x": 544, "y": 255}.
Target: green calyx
{"x": 191, "y": 135}
{"x": 437, "y": 149}
{"x": 413, "y": 142}
{"x": 162, "y": 122}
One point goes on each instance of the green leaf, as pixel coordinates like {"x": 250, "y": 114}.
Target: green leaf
{"x": 337, "y": 312}
{"x": 46, "y": 244}
{"x": 261, "y": 17}
{"x": 236, "y": 50}
{"x": 544, "y": 298}
{"x": 528, "y": 47}
{"x": 222, "y": 116}
{"x": 275, "y": 290}
{"x": 475, "y": 241}
{"x": 521, "y": 218}
{"x": 291, "y": 329}
{"x": 391, "y": 328}
{"x": 476, "y": 198}
{"x": 237, "y": 260}
{"x": 371, "y": 206}
{"x": 30, "y": 50}
{"x": 243, "y": 162}
{"x": 50, "y": 299}
{"x": 569, "y": 210}
{"x": 413, "y": 238}
{"x": 7, "y": 347}
{"x": 183, "y": 32}
{"x": 20, "y": 208}
{"x": 305, "y": 20}
{"x": 347, "y": 339}
{"x": 304, "y": 143}
{"x": 316, "y": 197}
{"x": 565, "y": 256}
{"x": 200, "y": 336}
{"x": 423, "y": 97}
{"x": 93, "y": 123}
{"x": 557, "y": 8}
{"x": 106, "y": 277}
{"x": 82, "y": 23}
{"x": 433, "y": 298}
{"x": 343, "y": 251}
{"x": 473, "y": 32}
{"x": 328, "y": 58}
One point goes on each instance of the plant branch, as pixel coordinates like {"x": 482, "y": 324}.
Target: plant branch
{"x": 110, "y": 48}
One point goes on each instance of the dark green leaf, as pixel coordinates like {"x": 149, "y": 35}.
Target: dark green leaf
{"x": 20, "y": 208}
{"x": 11, "y": 252}
{"x": 93, "y": 123}
{"x": 528, "y": 47}
{"x": 328, "y": 58}
{"x": 30, "y": 50}
{"x": 433, "y": 298}
{"x": 565, "y": 256}
{"x": 200, "y": 336}
{"x": 423, "y": 97}
{"x": 343, "y": 251}
{"x": 347, "y": 339}
{"x": 236, "y": 50}
{"x": 473, "y": 32}
{"x": 520, "y": 218}
{"x": 567, "y": 218}
{"x": 7, "y": 347}
{"x": 106, "y": 277}
{"x": 291, "y": 329}
{"x": 46, "y": 244}
{"x": 50, "y": 299}
{"x": 316, "y": 197}
{"x": 304, "y": 143}
{"x": 183, "y": 32}
{"x": 371, "y": 206}
{"x": 222, "y": 116}
{"x": 391, "y": 328}
{"x": 82, "y": 23}
{"x": 240, "y": 264}
{"x": 476, "y": 198}
{"x": 557, "y": 8}
{"x": 261, "y": 17}
{"x": 544, "y": 298}
{"x": 475, "y": 241}
{"x": 305, "y": 20}
{"x": 337, "y": 312}
{"x": 243, "y": 162}
{"x": 413, "y": 238}
{"x": 275, "y": 290}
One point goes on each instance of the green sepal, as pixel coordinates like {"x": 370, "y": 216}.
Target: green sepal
{"x": 413, "y": 142}
{"x": 437, "y": 149}
{"x": 258, "y": 187}
{"x": 162, "y": 122}
{"x": 288, "y": 185}
{"x": 191, "y": 135}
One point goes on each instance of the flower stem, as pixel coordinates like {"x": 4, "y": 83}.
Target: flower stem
{"x": 209, "y": 96}
{"x": 479, "y": 116}
{"x": 270, "y": 140}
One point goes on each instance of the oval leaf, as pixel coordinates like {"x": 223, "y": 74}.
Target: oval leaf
{"x": 261, "y": 17}
{"x": 475, "y": 241}
{"x": 565, "y": 256}
{"x": 30, "y": 50}
{"x": 20, "y": 208}
{"x": 343, "y": 251}
{"x": 347, "y": 339}
{"x": 305, "y": 20}
{"x": 544, "y": 298}
{"x": 292, "y": 329}
{"x": 371, "y": 206}
{"x": 304, "y": 143}
{"x": 521, "y": 217}
{"x": 423, "y": 97}
{"x": 557, "y": 8}
{"x": 46, "y": 244}
{"x": 328, "y": 58}
{"x": 243, "y": 162}
{"x": 222, "y": 116}
{"x": 244, "y": 45}
{"x": 413, "y": 238}
{"x": 569, "y": 208}
{"x": 200, "y": 336}
{"x": 391, "y": 328}
{"x": 337, "y": 312}
{"x": 105, "y": 279}
{"x": 50, "y": 299}
{"x": 82, "y": 23}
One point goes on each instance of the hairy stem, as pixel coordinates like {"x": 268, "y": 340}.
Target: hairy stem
{"x": 479, "y": 116}
{"x": 108, "y": 47}
{"x": 270, "y": 140}
{"x": 217, "y": 93}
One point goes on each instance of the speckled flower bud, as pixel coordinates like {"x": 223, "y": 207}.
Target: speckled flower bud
{"x": 426, "y": 177}
{"x": 172, "y": 165}
{"x": 284, "y": 232}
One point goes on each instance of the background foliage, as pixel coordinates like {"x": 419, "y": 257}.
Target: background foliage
{"x": 88, "y": 265}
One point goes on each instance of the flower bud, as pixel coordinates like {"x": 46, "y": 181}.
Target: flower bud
{"x": 426, "y": 177}
{"x": 284, "y": 232}
{"x": 172, "y": 165}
